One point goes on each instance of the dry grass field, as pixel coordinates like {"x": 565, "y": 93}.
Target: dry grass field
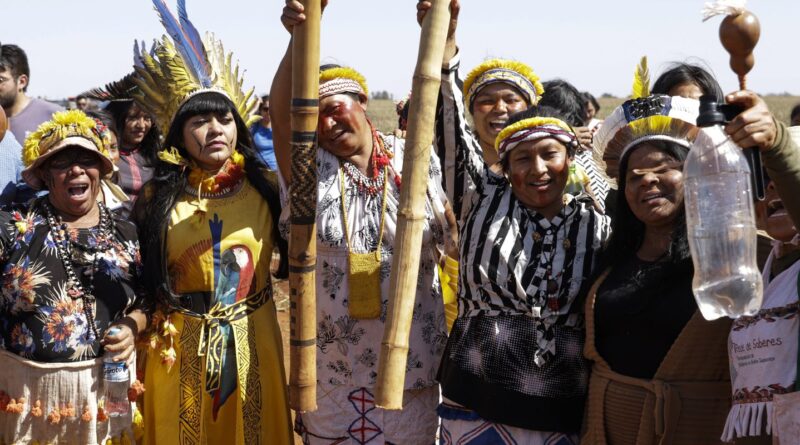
{"x": 382, "y": 112}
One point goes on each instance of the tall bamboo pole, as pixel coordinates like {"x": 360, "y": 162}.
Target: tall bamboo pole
{"x": 411, "y": 211}
{"x": 303, "y": 202}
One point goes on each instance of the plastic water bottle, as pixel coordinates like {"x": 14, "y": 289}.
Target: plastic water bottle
{"x": 720, "y": 220}
{"x": 116, "y": 378}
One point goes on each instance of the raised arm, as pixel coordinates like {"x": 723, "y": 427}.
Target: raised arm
{"x": 280, "y": 99}
{"x": 281, "y": 95}
{"x": 458, "y": 149}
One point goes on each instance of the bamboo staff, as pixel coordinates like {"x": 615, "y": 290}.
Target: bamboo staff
{"x": 411, "y": 211}
{"x": 303, "y": 202}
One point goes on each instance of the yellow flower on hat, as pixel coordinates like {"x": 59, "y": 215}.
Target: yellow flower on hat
{"x": 72, "y": 123}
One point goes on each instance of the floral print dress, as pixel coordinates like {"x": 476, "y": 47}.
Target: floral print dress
{"x": 39, "y": 320}
{"x": 348, "y": 348}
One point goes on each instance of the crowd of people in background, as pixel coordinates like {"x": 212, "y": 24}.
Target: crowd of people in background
{"x": 554, "y": 303}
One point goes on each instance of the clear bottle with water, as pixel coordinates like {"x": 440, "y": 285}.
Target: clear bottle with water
{"x": 116, "y": 378}
{"x": 720, "y": 220}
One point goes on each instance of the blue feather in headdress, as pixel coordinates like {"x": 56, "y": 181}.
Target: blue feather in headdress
{"x": 187, "y": 41}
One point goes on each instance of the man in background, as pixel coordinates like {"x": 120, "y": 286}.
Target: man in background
{"x": 262, "y": 135}
{"x": 82, "y": 103}
{"x": 24, "y": 113}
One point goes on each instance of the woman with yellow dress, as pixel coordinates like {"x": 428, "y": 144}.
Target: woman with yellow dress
{"x": 207, "y": 218}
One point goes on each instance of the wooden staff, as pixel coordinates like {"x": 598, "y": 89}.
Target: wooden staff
{"x": 411, "y": 211}
{"x": 303, "y": 202}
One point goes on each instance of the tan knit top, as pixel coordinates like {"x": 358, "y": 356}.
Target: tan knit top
{"x": 686, "y": 402}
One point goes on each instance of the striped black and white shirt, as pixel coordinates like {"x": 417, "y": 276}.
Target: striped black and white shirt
{"x": 518, "y": 338}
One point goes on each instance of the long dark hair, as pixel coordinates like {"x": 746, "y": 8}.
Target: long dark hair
{"x": 150, "y": 144}
{"x": 169, "y": 181}
{"x": 682, "y": 72}
{"x": 628, "y": 232}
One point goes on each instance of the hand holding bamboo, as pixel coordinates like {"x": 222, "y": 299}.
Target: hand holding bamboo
{"x": 411, "y": 211}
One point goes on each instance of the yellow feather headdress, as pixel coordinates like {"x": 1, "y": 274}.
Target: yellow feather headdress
{"x": 517, "y": 74}
{"x": 340, "y": 80}
{"x": 71, "y": 128}
{"x": 184, "y": 65}
{"x": 645, "y": 117}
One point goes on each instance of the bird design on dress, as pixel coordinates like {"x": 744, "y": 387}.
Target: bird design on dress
{"x": 233, "y": 281}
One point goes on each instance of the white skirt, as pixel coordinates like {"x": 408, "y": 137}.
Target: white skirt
{"x": 348, "y": 415}
{"x": 56, "y": 403}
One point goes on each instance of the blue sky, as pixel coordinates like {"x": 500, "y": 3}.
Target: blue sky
{"x": 78, "y": 44}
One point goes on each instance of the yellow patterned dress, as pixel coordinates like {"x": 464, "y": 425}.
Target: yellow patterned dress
{"x": 227, "y": 384}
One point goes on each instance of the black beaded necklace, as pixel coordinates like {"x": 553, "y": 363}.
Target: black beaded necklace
{"x": 64, "y": 244}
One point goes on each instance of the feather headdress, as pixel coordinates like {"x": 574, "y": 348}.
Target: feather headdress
{"x": 184, "y": 65}
{"x": 641, "y": 80}
{"x": 517, "y": 74}
{"x": 644, "y": 118}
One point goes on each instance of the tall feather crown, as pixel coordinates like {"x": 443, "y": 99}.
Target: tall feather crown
{"x": 184, "y": 65}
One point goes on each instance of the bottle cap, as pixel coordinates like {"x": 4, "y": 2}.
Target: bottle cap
{"x": 710, "y": 114}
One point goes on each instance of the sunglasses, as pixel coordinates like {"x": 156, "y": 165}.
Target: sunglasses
{"x": 67, "y": 160}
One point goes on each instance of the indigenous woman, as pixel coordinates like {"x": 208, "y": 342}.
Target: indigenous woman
{"x": 763, "y": 348}
{"x": 513, "y": 371}
{"x": 659, "y": 371}
{"x": 138, "y": 146}
{"x": 357, "y": 210}
{"x": 70, "y": 271}
{"x": 208, "y": 224}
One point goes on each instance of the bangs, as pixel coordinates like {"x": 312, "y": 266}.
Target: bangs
{"x": 207, "y": 102}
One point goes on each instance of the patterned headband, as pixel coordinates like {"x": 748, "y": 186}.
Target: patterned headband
{"x": 516, "y": 74}
{"x": 340, "y": 80}
{"x": 340, "y": 86}
{"x": 533, "y": 129}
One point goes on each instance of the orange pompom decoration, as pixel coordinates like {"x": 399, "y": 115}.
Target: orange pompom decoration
{"x": 54, "y": 417}
{"x": 36, "y": 411}
{"x": 136, "y": 389}
{"x": 87, "y": 415}
{"x": 101, "y": 415}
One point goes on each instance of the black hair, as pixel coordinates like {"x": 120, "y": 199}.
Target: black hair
{"x": 14, "y": 59}
{"x": 105, "y": 117}
{"x": 169, "y": 181}
{"x": 588, "y": 97}
{"x": 627, "y": 232}
{"x": 795, "y": 112}
{"x": 150, "y": 144}
{"x": 265, "y": 98}
{"x": 535, "y": 111}
{"x": 563, "y": 96}
{"x": 682, "y": 72}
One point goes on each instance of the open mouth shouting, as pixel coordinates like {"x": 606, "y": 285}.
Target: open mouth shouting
{"x": 497, "y": 125}
{"x": 78, "y": 192}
